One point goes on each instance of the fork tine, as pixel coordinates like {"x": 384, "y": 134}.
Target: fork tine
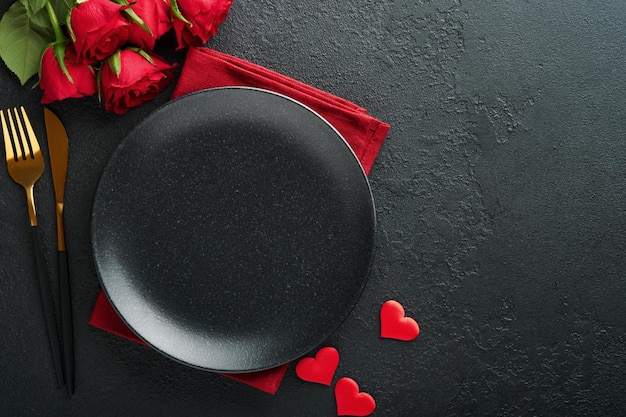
{"x": 23, "y": 140}
{"x": 9, "y": 145}
{"x": 33, "y": 144}
{"x": 19, "y": 153}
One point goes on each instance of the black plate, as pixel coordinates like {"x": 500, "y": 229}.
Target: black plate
{"x": 233, "y": 229}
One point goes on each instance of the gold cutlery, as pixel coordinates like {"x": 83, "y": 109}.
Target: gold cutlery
{"x": 58, "y": 150}
{"x": 25, "y": 165}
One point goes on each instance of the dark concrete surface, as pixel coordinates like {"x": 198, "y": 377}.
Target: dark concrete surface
{"x": 501, "y": 203}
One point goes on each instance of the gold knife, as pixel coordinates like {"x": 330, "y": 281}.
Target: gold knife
{"x": 58, "y": 145}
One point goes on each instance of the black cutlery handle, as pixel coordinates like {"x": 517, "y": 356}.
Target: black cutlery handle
{"x": 48, "y": 305}
{"x": 67, "y": 324}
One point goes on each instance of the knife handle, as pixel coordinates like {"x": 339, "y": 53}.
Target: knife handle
{"x": 67, "y": 324}
{"x": 48, "y": 305}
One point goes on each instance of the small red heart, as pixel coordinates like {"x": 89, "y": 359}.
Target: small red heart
{"x": 320, "y": 369}
{"x": 351, "y": 402}
{"x": 393, "y": 324}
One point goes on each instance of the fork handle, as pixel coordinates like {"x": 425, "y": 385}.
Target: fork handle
{"x": 48, "y": 305}
{"x": 65, "y": 297}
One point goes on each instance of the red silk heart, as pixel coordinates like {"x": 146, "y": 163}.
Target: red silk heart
{"x": 351, "y": 402}
{"x": 320, "y": 369}
{"x": 393, "y": 324}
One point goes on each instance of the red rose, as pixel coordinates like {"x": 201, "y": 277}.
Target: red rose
{"x": 98, "y": 29}
{"x": 203, "y": 16}
{"x": 156, "y": 15}
{"x": 56, "y": 85}
{"x": 138, "y": 80}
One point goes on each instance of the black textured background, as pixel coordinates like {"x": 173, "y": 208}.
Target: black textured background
{"x": 501, "y": 202}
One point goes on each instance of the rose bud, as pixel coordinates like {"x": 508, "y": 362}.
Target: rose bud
{"x": 98, "y": 29}
{"x": 156, "y": 17}
{"x": 196, "y": 21}
{"x": 55, "y": 83}
{"x": 131, "y": 77}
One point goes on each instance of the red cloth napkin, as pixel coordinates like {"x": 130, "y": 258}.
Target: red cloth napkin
{"x": 206, "y": 68}
{"x": 105, "y": 317}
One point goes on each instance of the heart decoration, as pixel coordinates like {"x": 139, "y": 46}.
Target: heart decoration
{"x": 321, "y": 368}
{"x": 394, "y": 325}
{"x": 351, "y": 402}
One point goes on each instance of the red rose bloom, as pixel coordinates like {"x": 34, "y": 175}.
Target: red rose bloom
{"x": 56, "y": 85}
{"x": 204, "y": 16}
{"x": 156, "y": 15}
{"x": 138, "y": 81}
{"x": 98, "y": 29}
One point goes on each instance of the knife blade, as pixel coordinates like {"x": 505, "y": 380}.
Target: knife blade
{"x": 58, "y": 148}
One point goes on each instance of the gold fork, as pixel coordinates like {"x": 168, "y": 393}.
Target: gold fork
{"x": 25, "y": 165}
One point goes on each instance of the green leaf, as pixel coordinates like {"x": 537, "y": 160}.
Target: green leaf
{"x": 62, "y": 8}
{"x": 23, "y": 40}
{"x": 138, "y": 20}
{"x": 177, "y": 13}
{"x": 134, "y": 17}
{"x": 59, "y": 54}
{"x": 115, "y": 62}
{"x": 33, "y": 6}
{"x": 147, "y": 57}
{"x": 40, "y": 22}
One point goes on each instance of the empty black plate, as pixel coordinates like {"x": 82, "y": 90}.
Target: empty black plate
{"x": 233, "y": 229}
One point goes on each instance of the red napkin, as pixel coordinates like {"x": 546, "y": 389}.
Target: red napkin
{"x": 105, "y": 317}
{"x": 206, "y": 68}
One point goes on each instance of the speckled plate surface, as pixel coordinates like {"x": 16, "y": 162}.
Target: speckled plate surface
{"x": 233, "y": 229}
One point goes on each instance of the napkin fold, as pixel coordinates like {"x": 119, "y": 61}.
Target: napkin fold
{"x": 206, "y": 68}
